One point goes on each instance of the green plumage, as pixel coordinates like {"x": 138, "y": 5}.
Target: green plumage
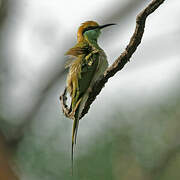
{"x": 81, "y": 73}
{"x": 84, "y": 76}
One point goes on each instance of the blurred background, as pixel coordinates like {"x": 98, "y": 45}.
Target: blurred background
{"x": 131, "y": 130}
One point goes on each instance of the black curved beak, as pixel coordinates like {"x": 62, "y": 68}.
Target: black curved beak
{"x": 106, "y": 25}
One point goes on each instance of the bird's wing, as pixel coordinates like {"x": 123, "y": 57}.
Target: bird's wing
{"x": 84, "y": 73}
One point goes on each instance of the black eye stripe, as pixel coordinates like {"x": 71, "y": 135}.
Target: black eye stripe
{"x": 89, "y": 28}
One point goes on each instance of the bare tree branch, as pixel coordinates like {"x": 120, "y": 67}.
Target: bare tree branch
{"x": 120, "y": 61}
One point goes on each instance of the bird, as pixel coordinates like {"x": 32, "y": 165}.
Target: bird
{"x": 87, "y": 66}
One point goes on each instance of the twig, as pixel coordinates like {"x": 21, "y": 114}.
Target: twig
{"x": 120, "y": 61}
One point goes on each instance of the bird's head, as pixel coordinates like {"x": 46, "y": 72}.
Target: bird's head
{"x": 90, "y": 30}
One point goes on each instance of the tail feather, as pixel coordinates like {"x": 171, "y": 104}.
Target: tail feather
{"x": 78, "y": 109}
{"x": 74, "y": 137}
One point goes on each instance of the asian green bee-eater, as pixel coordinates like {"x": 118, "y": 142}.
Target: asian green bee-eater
{"x": 89, "y": 64}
